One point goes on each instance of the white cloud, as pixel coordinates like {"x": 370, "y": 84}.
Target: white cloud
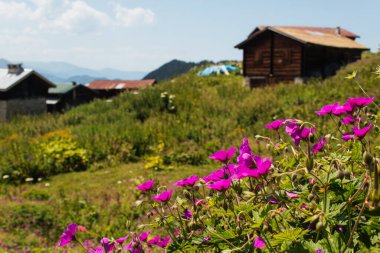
{"x": 129, "y": 17}
{"x": 74, "y": 16}
{"x": 79, "y": 17}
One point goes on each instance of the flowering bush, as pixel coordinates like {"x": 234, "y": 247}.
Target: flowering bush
{"x": 318, "y": 193}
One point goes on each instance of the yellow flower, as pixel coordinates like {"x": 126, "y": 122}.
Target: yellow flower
{"x": 352, "y": 75}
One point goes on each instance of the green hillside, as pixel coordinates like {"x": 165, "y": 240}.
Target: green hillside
{"x": 173, "y": 126}
{"x": 204, "y": 113}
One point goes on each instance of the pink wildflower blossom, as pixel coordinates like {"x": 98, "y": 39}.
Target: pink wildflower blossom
{"x": 275, "y": 125}
{"x": 68, "y": 235}
{"x": 327, "y": 109}
{"x": 190, "y": 181}
{"x": 259, "y": 243}
{"x": 223, "y": 155}
{"x": 292, "y": 195}
{"x": 163, "y": 197}
{"x": 164, "y": 242}
{"x": 146, "y": 186}
{"x": 348, "y": 120}
{"x": 154, "y": 240}
{"x": 361, "y": 133}
{"x": 144, "y": 236}
{"x": 97, "y": 250}
{"x": 263, "y": 164}
{"x": 360, "y": 102}
{"x": 220, "y": 185}
{"x": 317, "y": 147}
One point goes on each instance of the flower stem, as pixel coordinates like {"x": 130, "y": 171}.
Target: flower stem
{"x": 356, "y": 225}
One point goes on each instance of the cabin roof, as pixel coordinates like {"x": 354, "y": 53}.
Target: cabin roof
{"x": 329, "y": 37}
{"x": 120, "y": 84}
{"x": 8, "y": 80}
{"x": 64, "y": 88}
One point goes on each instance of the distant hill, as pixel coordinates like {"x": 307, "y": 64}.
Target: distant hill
{"x": 65, "y": 72}
{"x": 172, "y": 69}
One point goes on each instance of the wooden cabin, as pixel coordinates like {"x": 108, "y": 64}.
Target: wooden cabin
{"x": 110, "y": 88}
{"x": 22, "y": 91}
{"x": 66, "y": 96}
{"x": 293, "y": 54}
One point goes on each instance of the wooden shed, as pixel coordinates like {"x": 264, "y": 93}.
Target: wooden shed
{"x": 286, "y": 53}
{"x": 22, "y": 91}
{"x": 66, "y": 96}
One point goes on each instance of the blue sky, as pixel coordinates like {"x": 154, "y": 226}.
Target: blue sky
{"x": 143, "y": 34}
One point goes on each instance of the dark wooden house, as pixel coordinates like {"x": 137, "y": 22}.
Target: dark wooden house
{"x": 110, "y": 88}
{"x": 66, "y": 96}
{"x": 22, "y": 91}
{"x": 281, "y": 53}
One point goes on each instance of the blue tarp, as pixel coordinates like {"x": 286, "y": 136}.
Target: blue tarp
{"x": 220, "y": 69}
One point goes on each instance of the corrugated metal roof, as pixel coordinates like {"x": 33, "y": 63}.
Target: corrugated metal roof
{"x": 343, "y": 32}
{"x": 9, "y": 80}
{"x": 120, "y": 84}
{"x": 329, "y": 37}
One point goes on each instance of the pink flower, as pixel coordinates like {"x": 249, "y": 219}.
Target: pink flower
{"x": 107, "y": 244}
{"x": 245, "y": 149}
{"x": 81, "y": 229}
{"x": 348, "y": 120}
{"x": 221, "y": 185}
{"x": 154, "y": 240}
{"x": 163, "y": 197}
{"x": 303, "y": 206}
{"x": 298, "y": 134}
{"x": 190, "y": 181}
{"x": 199, "y": 202}
{"x": 215, "y": 176}
{"x": 348, "y": 136}
{"x": 259, "y": 243}
{"x": 317, "y": 147}
{"x": 144, "y": 236}
{"x": 360, "y": 102}
{"x": 223, "y": 173}
{"x": 223, "y": 155}
{"x": 262, "y": 164}
{"x": 164, "y": 242}
{"x": 343, "y": 109}
{"x": 121, "y": 240}
{"x": 292, "y": 195}
{"x": 244, "y": 172}
{"x": 273, "y": 201}
{"x": 187, "y": 215}
{"x": 327, "y": 109}
{"x": 68, "y": 235}
{"x": 361, "y": 133}
{"x": 275, "y": 124}
{"x": 97, "y": 250}
{"x": 146, "y": 186}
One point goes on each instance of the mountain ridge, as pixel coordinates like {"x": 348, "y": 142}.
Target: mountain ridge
{"x": 61, "y": 72}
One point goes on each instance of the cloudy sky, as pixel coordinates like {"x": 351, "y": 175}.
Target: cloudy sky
{"x": 143, "y": 34}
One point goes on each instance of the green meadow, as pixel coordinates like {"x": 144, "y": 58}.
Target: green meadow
{"x": 84, "y": 165}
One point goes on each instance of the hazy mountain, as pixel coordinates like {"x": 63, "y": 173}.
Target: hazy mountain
{"x": 172, "y": 69}
{"x": 66, "y": 72}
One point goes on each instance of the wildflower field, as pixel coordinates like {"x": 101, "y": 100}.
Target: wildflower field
{"x": 296, "y": 170}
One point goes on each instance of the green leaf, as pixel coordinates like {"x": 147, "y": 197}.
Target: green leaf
{"x": 288, "y": 236}
{"x": 356, "y": 149}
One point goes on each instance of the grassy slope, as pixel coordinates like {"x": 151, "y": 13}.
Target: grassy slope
{"x": 211, "y": 113}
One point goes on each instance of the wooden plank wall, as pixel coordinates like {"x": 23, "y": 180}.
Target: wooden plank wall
{"x": 286, "y": 55}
